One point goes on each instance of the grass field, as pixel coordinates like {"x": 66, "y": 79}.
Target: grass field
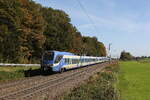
{"x": 17, "y": 68}
{"x": 134, "y": 80}
{"x": 10, "y": 73}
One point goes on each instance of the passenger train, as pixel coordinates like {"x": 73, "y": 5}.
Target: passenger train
{"x": 57, "y": 61}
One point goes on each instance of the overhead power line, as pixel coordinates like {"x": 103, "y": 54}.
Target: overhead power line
{"x": 90, "y": 19}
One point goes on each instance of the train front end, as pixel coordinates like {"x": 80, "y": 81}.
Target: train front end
{"x": 47, "y": 61}
{"x": 51, "y": 61}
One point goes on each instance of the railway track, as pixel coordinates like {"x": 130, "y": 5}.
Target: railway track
{"x": 10, "y": 84}
{"x": 17, "y": 85}
{"x": 27, "y": 89}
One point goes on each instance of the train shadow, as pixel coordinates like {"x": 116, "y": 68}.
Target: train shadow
{"x": 37, "y": 72}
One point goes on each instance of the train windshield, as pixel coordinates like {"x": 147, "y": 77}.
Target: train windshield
{"x": 58, "y": 58}
{"x": 48, "y": 56}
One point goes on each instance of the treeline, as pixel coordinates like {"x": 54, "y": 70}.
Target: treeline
{"x": 126, "y": 56}
{"x": 27, "y": 29}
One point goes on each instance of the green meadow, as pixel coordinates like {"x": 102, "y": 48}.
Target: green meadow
{"x": 11, "y": 73}
{"x": 132, "y": 83}
{"x": 134, "y": 80}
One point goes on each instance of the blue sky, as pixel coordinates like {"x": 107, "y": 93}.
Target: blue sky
{"x": 124, "y": 23}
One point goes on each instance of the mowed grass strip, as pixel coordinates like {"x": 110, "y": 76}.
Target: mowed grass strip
{"x": 134, "y": 80}
{"x": 11, "y": 73}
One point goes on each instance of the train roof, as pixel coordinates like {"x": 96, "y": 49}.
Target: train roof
{"x": 71, "y": 55}
{"x": 74, "y": 56}
{"x": 61, "y": 53}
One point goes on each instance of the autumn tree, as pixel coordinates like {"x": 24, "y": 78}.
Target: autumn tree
{"x": 21, "y": 30}
{"x": 31, "y": 38}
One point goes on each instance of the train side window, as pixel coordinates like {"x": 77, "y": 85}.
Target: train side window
{"x": 73, "y": 61}
{"x": 77, "y": 61}
{"x": 66, "y": 60}
{"x": 81, "y": 60}
{"x": 70, "y": 61}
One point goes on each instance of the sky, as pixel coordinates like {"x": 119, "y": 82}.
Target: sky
{"x": 123, "y": 23}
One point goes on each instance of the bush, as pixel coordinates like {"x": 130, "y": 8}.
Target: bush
{"x": 126, "y": 56}
{"x": 99, "y": 87}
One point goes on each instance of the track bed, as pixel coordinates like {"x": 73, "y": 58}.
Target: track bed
{"x": 48, "y": 87}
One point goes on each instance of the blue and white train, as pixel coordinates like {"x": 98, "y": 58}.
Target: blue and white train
{"x": 57, "y": 61}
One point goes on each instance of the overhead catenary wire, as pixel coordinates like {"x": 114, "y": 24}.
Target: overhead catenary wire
{"x": 88, "y": 16}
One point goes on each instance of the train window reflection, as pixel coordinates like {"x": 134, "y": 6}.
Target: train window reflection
{"x": 58, "y": 58}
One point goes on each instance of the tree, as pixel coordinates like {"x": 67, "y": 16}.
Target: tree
{"x": 94, "y": 47}
{"x": 31, "y": 38}
{"x": 126, "y": 56}
{"x": 9, "y": 24}
{"x": 58, "y": 30}
{"x": 22, "y": 28}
